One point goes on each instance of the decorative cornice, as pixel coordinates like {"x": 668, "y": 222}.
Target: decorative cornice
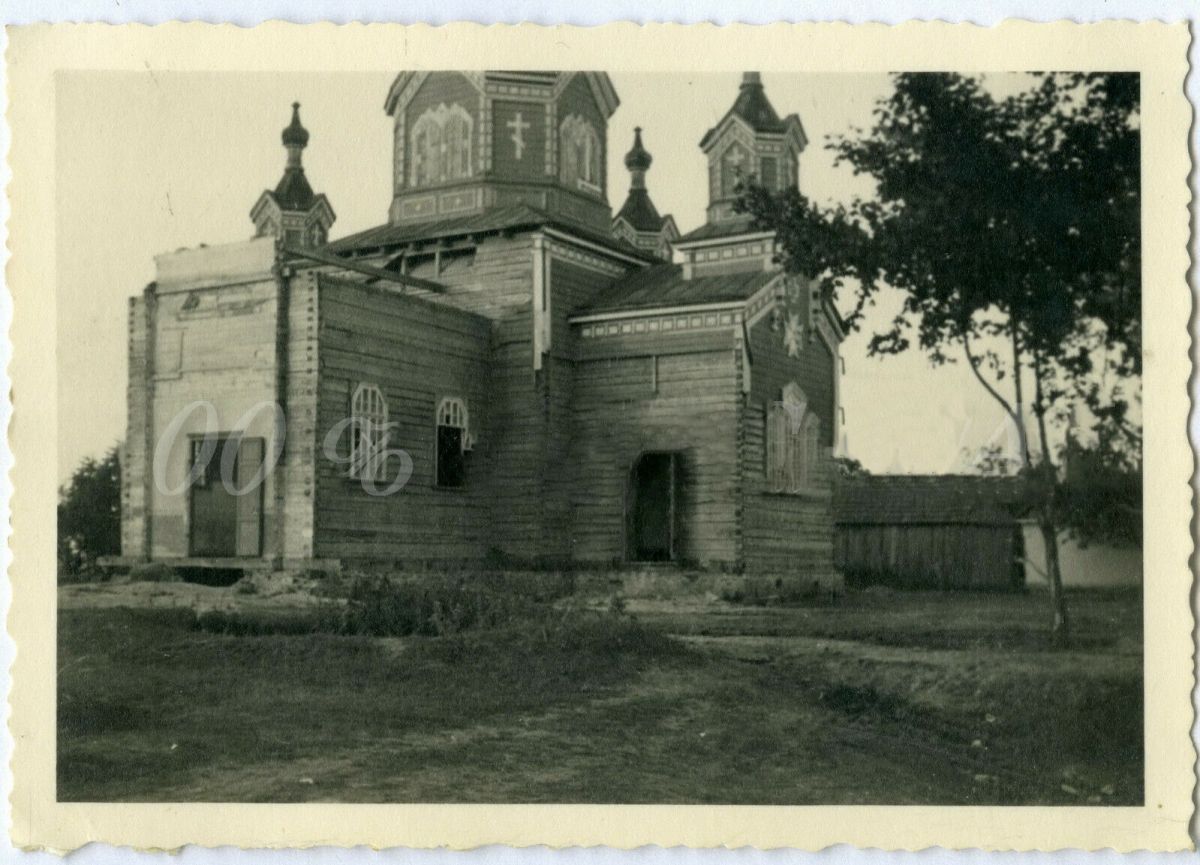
{"x": 686, "y": 320}
{"x": 728, "y": 240}
{"x": 585, "y": 259}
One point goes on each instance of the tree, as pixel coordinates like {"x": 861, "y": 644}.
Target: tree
{"x": 89, "y": 514}
{"x": 849, "y": 467}
{"x": 992, "y": 461}
{"x": 1011, "y": 226}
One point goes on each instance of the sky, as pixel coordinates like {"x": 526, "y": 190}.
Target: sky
{"x": 151, "y": 162}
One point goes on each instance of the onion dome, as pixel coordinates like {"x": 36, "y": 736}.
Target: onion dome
{"x": 295, "y": 135}
{"x": 638, "y": 158}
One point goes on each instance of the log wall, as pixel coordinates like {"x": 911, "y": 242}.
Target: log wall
{"x": 626, "y": 406}
{"x": 786, "y": 533}
{"x": 416, "y": 352}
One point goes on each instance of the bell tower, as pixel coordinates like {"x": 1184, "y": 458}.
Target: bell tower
{"x": 292, "y": 212}
{"x": 751, "y": 141}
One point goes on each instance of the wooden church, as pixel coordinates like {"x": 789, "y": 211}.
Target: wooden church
{"x": 504, "y": 368}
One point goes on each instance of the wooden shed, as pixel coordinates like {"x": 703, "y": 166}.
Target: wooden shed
{"x": 930, "y": 532}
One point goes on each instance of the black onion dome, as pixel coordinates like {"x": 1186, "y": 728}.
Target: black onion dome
{"x": 638, "y": 158}
{"x": 295, "y": 135}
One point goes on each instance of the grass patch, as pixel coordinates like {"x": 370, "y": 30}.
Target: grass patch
{"x": 150, "y": 704}
{"x": 856, "y": 703}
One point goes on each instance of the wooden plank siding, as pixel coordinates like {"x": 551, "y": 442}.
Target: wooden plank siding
{"x": 498, "y": 287}
{"x": 786, "y": 533}
{"x": 416, "y": 352}
{"x": 915, "y": 556}
{"x": 571, "y": 286}
{"x": 685, "y": 403}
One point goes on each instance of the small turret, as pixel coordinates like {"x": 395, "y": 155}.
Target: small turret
{"x": 292, "y": 211}
{"x": 638, "y": 221}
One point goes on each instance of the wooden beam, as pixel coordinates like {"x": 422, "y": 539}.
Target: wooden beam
{"x": 367, "y": 269}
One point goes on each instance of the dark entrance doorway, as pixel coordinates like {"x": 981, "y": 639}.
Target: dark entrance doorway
{"x": 226, "y": 513}
{"x": 654, "y": 485}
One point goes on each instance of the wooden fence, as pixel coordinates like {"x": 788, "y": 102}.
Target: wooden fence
{"x": 939, "y": 556}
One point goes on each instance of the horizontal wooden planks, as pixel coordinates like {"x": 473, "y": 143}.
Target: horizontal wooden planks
{"x": 417, "y": 352}
{"x": 690, "y": 407}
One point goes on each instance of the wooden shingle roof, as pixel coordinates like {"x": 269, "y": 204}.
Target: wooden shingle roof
{"x": 664, "y": 285}
{"x": 510, "y": 218}
{"x": 929, "y": 500}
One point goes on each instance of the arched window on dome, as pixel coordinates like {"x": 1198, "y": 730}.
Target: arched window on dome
{"x": 579, "y": 154}
{"x": 441, "y": 145}
{"x": 456, "y": 135}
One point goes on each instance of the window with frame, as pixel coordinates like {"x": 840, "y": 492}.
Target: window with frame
{"x": 452, "y": 443}
{"x": 368, "y": 433}
{"x": 793, "y": 444}
{"x": 768, "y": 172}
{"x": 579, "y": 154}
{"x": 441, "y": 145}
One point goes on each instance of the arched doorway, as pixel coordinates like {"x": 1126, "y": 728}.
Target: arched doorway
{"x": 652, "y": 512}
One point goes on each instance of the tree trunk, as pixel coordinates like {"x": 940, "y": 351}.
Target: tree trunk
{"x": 1019, "y": 414}
{"x": 1060, "y": 632}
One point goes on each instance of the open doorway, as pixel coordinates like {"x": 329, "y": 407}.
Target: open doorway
{"x": 653, "y": 507}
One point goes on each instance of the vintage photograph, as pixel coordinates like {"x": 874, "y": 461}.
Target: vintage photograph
{"x": 500, "y": 436}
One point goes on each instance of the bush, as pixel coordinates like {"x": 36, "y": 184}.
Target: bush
{"x": 382, "y": 607}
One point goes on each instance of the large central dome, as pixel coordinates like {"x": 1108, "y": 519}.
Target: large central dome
{"x": 465, "y": 142}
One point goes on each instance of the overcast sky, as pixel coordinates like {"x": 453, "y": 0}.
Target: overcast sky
{"x": 148, "y": 163}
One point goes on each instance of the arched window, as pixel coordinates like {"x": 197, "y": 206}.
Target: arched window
{"x": 441, "y": 145}
{"x": 793, "y": 442}
{"x": 579, "y": 154}
{"x": 368, "y": 433}
{"x": 456, "y": 138}
{"x": 452, "y": 442}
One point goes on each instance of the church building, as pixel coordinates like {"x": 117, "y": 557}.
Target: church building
{"x": 504, "y": 369}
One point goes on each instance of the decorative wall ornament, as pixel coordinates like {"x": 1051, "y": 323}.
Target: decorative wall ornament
{"x": 518, "y": 125}
{"x": 793, "y": 334}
